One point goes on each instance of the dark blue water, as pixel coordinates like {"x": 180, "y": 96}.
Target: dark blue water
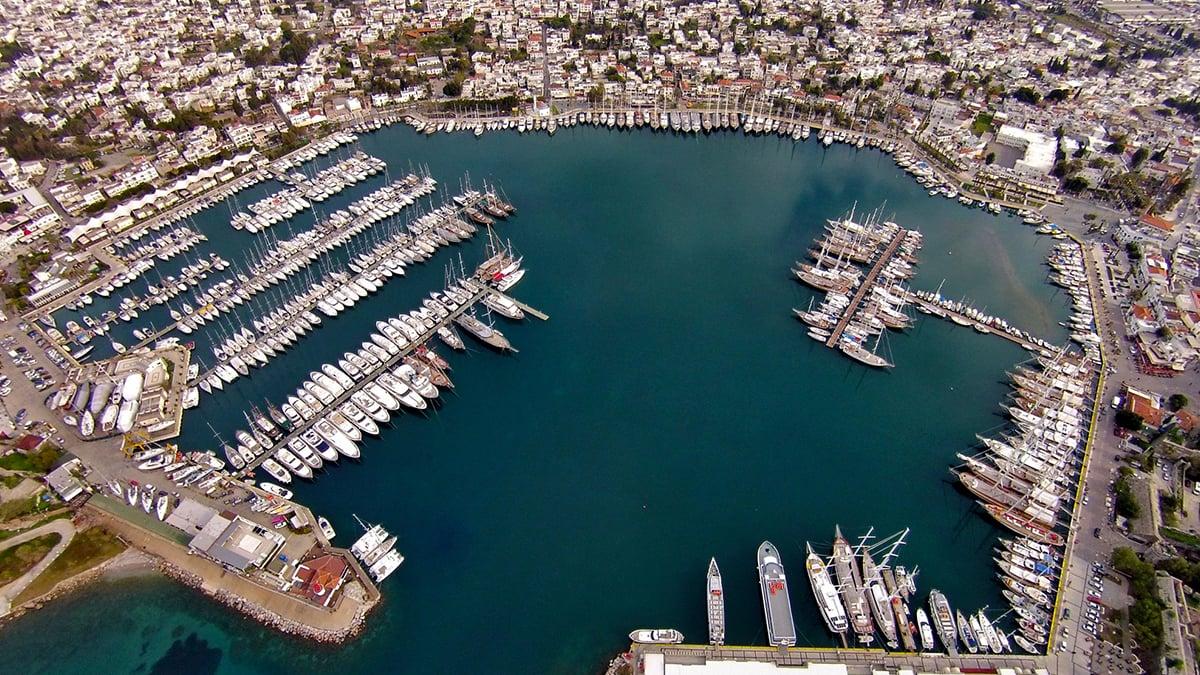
{"x": 670, "y": 410}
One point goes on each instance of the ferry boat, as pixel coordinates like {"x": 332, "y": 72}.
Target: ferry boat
{"x": 656, "y": 636}
{"x": 777, "y": 606}
{"x": 716, "y": 605}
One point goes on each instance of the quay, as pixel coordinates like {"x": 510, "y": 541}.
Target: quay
{"x": 256, "y": 597}
{"x": 866, "y": 285}
{"x": 856, "y": 661}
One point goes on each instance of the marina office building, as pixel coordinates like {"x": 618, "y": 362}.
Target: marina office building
{"x": 225, "y": 538}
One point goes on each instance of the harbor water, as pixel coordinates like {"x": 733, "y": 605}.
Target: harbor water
{"x": 671, "y": 409}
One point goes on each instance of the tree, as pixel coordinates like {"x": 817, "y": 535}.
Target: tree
{"x": 296, "y": 49}
{"x": 1177, "y": 401}
{"x": 990, "y": 159}
{"x": 1027, "y": 95}
{"x": 452, "y": 88}
{"x": 739, "y": 48}
{"x": 595, "y": 94}
{"x": 1076, "y": 184}
{"x": 949, "y": 78}
{"x": 1127, "y": 419}
{"x": 1139, "y": 156}
{"x": 8, "y": 207}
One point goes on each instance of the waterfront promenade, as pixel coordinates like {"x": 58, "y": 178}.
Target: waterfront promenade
{"x": 858, "y": 661}
{"x": 302, "y": 617}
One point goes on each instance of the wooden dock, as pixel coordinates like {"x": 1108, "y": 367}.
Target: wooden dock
{"x": 867, "y": 284}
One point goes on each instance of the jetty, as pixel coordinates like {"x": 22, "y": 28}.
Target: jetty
{"x": 312, "y": 297}
{"x": 296, "y": 431}
{"x": 867, "y": 284}
{"x": 982, "y": 323}
{"x": 648, "y": 658}
{"x": 284, "y": 259}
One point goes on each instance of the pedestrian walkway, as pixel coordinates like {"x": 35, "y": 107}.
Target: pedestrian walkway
{"x": 64, "y": 528}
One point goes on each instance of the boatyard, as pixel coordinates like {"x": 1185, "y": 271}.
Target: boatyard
{"x": 139, "y": 392}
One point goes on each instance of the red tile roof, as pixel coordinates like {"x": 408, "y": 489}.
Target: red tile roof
{"x": 319, "y": 578}
{"x": 1187, "y": 421}
{"x": 1144, "y": 406}
{"x": 29, "y": 442}
{"x": 1160, "y": 223}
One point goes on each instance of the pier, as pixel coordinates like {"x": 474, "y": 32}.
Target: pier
{"x": 480, "y": 290}
{"x": 277, "y": 270}
{"x": 390, "y": 248}
{"x": 979, "y": 325}
{"x": 858, "y": 661}
{"x": 532, "y": 311}
{"x": 866, "y": 286}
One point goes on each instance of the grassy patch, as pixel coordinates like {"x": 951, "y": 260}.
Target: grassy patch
{"x": 88, "y": 549}
{"x": 37, "y": 462}
{"x": 11, "y": 481}
{"x": 982, "y": 124}
{"x": 21, "y": 558}
{"x": 21, "y": 507}
{"x": 9, "y": 534}
{"x": 1181, "y": 537}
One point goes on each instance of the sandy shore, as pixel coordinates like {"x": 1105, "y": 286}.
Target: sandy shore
{"x": 128, "y": 563}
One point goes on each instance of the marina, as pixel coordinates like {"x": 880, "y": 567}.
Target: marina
{"x": 401, "y": 474}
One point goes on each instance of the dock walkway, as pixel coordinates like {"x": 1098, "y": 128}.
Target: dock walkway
{"x": 867, "y": 284}
{"x": 964, "y": 320}
{"x": 311, "y": 305}
{"x": 856, "y": 660}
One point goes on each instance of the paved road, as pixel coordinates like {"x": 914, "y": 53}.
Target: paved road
{"x": 64, "y": 528}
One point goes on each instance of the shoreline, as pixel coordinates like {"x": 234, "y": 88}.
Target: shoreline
{"x": 128, "y": 563}
{"x": 265, "y": 616}
{"x": 134, "y": 562}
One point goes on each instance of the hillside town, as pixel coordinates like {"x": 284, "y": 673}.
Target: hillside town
{"x": 114, "y": 113}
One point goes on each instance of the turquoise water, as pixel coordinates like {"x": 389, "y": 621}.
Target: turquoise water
{"x": 670, "y": 410}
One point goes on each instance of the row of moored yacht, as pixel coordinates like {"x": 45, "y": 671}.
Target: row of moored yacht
{"x": 279, "y": 207}
{"x": 341, "y": 402}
